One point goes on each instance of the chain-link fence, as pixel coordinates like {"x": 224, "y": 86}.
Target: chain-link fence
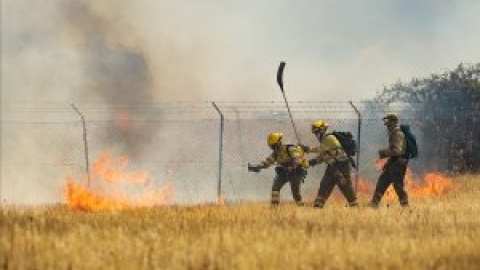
{"x": 202, "y": 151}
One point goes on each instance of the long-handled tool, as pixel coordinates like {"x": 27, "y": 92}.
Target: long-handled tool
{"x": 280, "y": 83}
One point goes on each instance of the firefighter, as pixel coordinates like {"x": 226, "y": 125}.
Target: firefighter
{"x": 338, "y": 169}
{"x": 291, "y": 167}
{"x": 396, "y": 164}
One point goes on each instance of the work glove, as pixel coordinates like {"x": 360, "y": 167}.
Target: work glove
{"x": 382, "y": 153}
{"x": 303, "y": 173}
{"x": 312, "y": 162}
{"x": 253, "y": 168}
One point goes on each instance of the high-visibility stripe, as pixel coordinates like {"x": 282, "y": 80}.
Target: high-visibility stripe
{"x": 275, "y": 197}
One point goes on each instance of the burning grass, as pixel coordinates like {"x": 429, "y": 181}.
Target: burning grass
{"x": 436, "y": 232}
{"x": 111, "y": 186}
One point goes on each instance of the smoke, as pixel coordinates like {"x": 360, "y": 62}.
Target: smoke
{"x": 116, "y": 73}
{"x": 226, "y": 50}
{"x": 113, "y": 58}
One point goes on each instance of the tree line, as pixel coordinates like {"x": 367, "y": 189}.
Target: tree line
{"x": 449, "y": 106}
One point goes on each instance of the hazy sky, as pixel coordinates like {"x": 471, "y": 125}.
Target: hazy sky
{"x": 155, "y": 50}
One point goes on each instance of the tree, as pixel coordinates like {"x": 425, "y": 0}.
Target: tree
{"x": 450, "y": 112}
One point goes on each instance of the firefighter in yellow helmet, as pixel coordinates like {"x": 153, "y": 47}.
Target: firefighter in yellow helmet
{"x": 291, "y": 167}
{"x": 338, "y": 170}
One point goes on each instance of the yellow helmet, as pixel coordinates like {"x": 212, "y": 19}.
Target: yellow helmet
{"x": 319, "y": 125}
{"x": 274, "y": 138}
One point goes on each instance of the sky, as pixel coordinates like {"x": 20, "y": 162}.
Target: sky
{"x": 65, "y": 51}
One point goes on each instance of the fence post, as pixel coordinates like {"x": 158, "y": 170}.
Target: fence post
{"x": 85, "y": 143}
{"x": 359, "y": 132}
{"x": 1, "y": 154}
{"x": 220, "y": 151}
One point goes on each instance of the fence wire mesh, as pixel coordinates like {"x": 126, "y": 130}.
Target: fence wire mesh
{"x": 180, "y": 143}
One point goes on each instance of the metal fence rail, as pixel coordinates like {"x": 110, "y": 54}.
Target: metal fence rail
{"x": 203, "y": 148}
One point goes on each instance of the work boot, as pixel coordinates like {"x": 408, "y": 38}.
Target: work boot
{"x": 319, "y": 203}
{"x": 375, "y": 200}
{"x": 373, "y": 204}
{"x": 404, "y": 203}
{"x": 300, "y": 203}
{"x": 353, "y": 204}
{"x": 275, "y": 200}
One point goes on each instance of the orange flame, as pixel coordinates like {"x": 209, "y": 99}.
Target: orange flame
{"x": 123, "y": 120}
{"x": 436, "y": 184}
{"x": 112, "y": 187}
{"x": 221, "y": 200}
{"x": 431, "y": 184}
{"x": 364, "y": 186}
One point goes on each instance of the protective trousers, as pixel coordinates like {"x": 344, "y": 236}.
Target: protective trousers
{"x": 394, "y": 172}
{"x": 295, "y": 177}
{"x": 337, "y": 173}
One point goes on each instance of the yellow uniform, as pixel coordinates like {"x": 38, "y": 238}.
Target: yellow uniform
{"x": 329, "y": 150}
{"x": 291, "y": 167}
{"x": 288, "y": 157}
{"x": 338, "y": 170}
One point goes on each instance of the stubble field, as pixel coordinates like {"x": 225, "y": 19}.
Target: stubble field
{"x": 434, "y": 233}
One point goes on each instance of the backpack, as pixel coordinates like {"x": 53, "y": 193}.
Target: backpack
{"x": 411, "y": 150}
{"x": 288, "y": 147}
{"x": 347, "y": 141}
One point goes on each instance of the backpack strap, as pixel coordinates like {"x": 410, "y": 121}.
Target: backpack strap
{"x": 287, "y": 147}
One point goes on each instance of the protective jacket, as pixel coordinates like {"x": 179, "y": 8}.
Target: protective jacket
{"x": 288, "y": 156}
{"x": 329, "y": 151}
{"x": 397, "y": 143}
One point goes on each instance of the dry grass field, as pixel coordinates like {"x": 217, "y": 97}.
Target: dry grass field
{"x": 438, "y": 232}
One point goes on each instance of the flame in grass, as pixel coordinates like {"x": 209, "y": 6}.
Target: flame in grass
{"x": 436, "y": 184}
{"x": 113, "y": 187}
{"x": 82, "y": 198}
{"x": 430, "y": 184}
{"x": 365, "y": 186}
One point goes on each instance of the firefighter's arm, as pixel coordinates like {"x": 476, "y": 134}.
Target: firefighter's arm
{"x": 328, "y": 143}
{"x": 305, "y": 148}
{"x": 396, "y": 146}
{"x": 314, "y": 161}
{"x": 263, "y": 165}
{"x": 320, "y": 151}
